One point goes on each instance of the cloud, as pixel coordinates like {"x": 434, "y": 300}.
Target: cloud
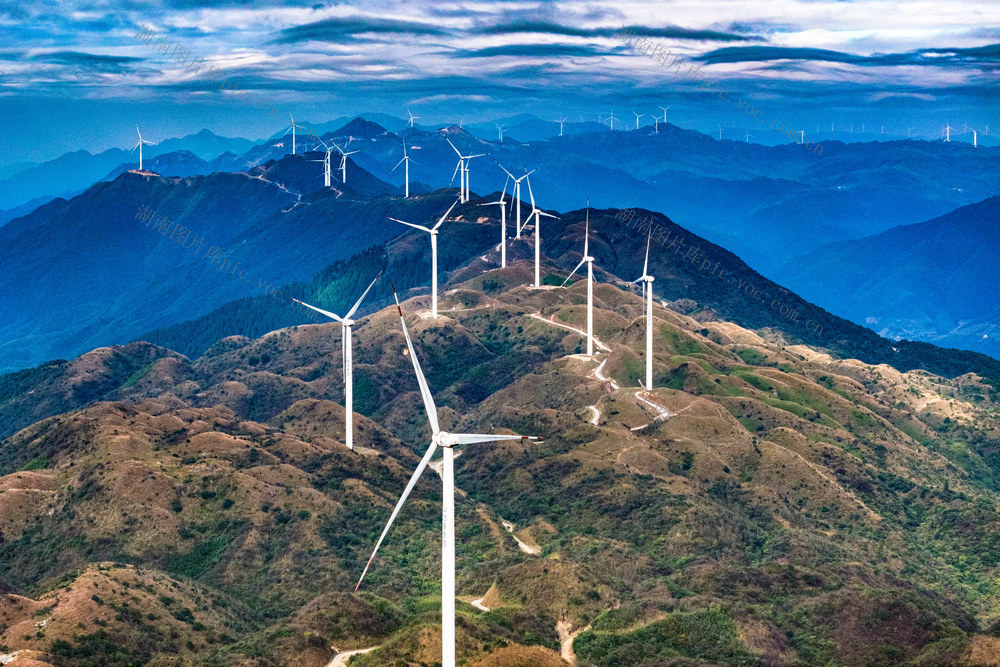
{"x": 671, "y": 32}
{"x": 532, "y": 51}
{"x": 340, "y": 29}
{"x": 451, "y": 98}
{"x": 91, "y": 61}
{"x": 934, "y": 57}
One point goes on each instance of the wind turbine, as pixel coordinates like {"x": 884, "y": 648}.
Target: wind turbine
{"x": 665, "y": 113}
{"x": 503, "y": 223}
{"x": 748, "y": 136}
{"x": 720, "y": 132}
{"x": 516, "y": 201}
{"x": 561, "y": 126}
{"x": 538, "y": 234}
{"x": 433, "y": 231}
{"x": 637, "y": 117}
{"x": 326, "y": 164}
{"x": 447, "y": 442}
{"x": 802, "y": 136}
{"x": 463, "y": 167}
{"x": 974, "y": 139}
{"x": 499, "y": 131}
{"x": 612, "y": 118}
{"x": 291, "y": 128}
{"x": 406, "y": 159}
{"x": 589, "y": 261}
{"x": 139, "y": 144}
{"x": 656, "y": 124}
{"x": 343, "y": 159}
{"x": 412, "y": 117}
{"x": 647, "y": 297}
{"x": 947, "y": 129}
{"x": 345, "y": 327}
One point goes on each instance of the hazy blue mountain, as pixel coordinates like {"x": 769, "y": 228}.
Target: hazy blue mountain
{"x": 72, "y": 172}
{"x": 85, "y": 273}
{"x": 934, "y": 281}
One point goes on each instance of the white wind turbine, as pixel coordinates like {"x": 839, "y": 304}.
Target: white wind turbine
{"x": 503, "y": 222}
{"x": 433, "y": 231}
{"x": 974, "y": 139}
{"x": 561, "y": 126}
{"x": 647, "y": 297}
{"x": 748, "y": 136}
{"x": 345, "y": 327}
{"x": 326, "y": 164}
{"x": 139, "y": 144}
{"x": 412, "y": 117}
{"x": 447, "y": 441}
{"x": 613, "y": 118}
{"x": 406, "y": 159}
{"x": 463, "y": 170}
{"x": 535, "y": 211}
{"x": 516, "y": 201}
{"x": 343, "y": 159}
{"x": 291, "y": 128}
{"x": 499, "y": 131}
{"x": 802, "y": 136}
{"x": 637, "y": 117}
{"x": 947, "y": 129}
{"x": 589, "y": 261}
{"x": 665, "y": 113}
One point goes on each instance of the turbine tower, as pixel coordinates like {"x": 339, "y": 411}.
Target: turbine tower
{"x": 447, "y": 442}
{"x": 139, "y": 144}
{"x": 433, "y": 231}
{"x": 647, "y": 297}
{"x": 561, "y": 126}
{"x": 665, "y": 113}
{"x": 345, "y": 326}
{"x": 503, "y": 223}
{"x": 802, "y": 136}
{"x": 613, "y": 118}
{"x": 412, "y": 117}
{"x": 291, "y": 128}
{"x": 406, "y": 159}
{"x": 947, "y": 129}
{"x": 589, "y": 261}
{"x": 637, "y": 117}
{"x": 974, "y": 139}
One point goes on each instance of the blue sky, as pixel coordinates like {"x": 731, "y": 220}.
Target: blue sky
{"x": 72, "y": 74}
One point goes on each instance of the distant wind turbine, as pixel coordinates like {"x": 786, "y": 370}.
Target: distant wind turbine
{"x": 561, "y": 126}
{"x": 291, "y": 128}
{"x": 406, "y": 159}
{"x": 947, "y": 129}
{"x": 433, "y": 231}
{"x": 647, "y": 296}
{"x": 589, "y": 261}
{"x": 326, "y": 164}
{"x": 802, "y": 136}
{"x": 343, "y": 159}
{"x": 412, "y": 117}
{"x": 463, "y": 167}
{"x": 139, "y": 144}
{"x": 748, "y": 136}
{"x": 345, "y": 326}
{"x": 665, "y": 113}
{"x": 974, "y": 139}
{"x": 447, "y": 441}
{"x": 612, "y": 118}
{"x": 516, "y": 201}
{"x": 503, "y": 223}
{"x": 637, "y": 117}
{"x": 538, "y": 231}
{"x": 499, "y": 132}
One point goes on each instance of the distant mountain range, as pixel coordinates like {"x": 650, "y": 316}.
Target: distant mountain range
{"x": 932, "y": 281}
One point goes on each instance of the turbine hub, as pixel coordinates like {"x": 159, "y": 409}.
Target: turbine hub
{"x": 347, "y": 323}
{"x": 588, "y": 258}
{"x": 444, "y": 439}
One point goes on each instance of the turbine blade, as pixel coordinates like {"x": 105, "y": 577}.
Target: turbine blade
{"x": 452, "y": 145}
{"x": 571, "y": 274}
{"x": 355, "y": 308}
{"x": 444, "y": 216}
{"x": 399, "y": 163}
{"x": 474, "y": 438}
{"x": 410, "y": 224}
{"x": 586, "y": 237}
{"x": 454, "y": 173}
{"x": 318, "y": 310}
{"x": 645, "y": 264}
{"x": 425, "y": 391}
{"x": 399, "y": 504}
{"x": 530, "y": 193}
